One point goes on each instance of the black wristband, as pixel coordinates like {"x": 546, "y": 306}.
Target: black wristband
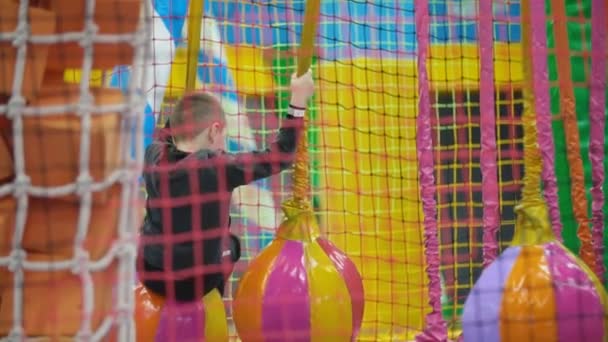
{"x": 296, "y": 107}
{"x": 296, "y": 111}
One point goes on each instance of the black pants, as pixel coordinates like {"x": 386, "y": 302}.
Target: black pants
{"x": 194, "y": 288}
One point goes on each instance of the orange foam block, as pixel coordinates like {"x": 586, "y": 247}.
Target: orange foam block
{"x": 6, "y": 158}
{"x": 111, "y": 17}
{"x": 51, "y": 226}
{"x": 53, "y": 301}
{"x": 41, "y": 22}
{"x": 53, "y": 143}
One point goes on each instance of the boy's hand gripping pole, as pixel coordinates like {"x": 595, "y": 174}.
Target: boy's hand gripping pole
{"x": 301, "y": 176}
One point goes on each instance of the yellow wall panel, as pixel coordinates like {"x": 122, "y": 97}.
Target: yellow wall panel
{"x": 369, "y": 209}
{"x": 370, "y": 203}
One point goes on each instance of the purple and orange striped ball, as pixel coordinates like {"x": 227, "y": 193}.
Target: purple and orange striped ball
{"x": 536, "y": 293}
{"x": 299, "y": 291}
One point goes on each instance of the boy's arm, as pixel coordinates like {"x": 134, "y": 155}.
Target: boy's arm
{"x": 248, "y": 167}
{"x": 244, "y": 168}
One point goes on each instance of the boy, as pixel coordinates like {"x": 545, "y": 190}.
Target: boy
{"x": 187, "y": 250}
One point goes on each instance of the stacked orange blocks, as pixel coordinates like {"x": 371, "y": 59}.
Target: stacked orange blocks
{"x": 53, "y": 300}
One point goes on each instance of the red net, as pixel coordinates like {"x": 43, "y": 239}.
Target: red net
{"x": 415, "y": 140}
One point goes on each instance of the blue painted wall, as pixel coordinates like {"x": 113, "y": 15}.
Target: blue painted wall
{"x": 352, "y": 27}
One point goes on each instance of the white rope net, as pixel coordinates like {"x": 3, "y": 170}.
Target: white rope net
{"x": 18, "y": 260}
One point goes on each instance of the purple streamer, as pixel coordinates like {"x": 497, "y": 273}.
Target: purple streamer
{"x": 597, "y": 118}
{"x": 489, "y": 155}
{"x": 538, "y": 32}
{"x": 436, "y": 327}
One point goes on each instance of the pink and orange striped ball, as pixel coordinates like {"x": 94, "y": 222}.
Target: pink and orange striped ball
{"x": 161, "y": 320}
{"x": 299, "y": 291}
{"x": 536, "y": 293}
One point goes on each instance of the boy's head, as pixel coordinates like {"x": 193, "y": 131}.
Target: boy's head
{"x": 197, "y": 122}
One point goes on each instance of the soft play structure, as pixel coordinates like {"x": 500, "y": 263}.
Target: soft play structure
{"x": 454, "y": 155}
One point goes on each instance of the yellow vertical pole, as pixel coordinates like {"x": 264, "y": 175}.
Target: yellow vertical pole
{"x": 301, "y": 177}
{"x": 195, "y": 17}
{"x": 532, "y": 226}
{"x": 532, "y": 158}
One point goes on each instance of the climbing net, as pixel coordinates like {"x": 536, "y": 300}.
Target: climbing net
{"x": 70, "y": 157}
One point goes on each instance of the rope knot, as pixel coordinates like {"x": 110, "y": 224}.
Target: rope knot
{"x": 21, "y": 33}
{"x": 16, "y": 334}
{"x": 15, "y": 106}
{"x": 88, "y": 37}
{"x": 86, "y": 104}
{"x": 84, "y": 183}
{"x": 81, "y": 260}
{"x": 21, "y": 185}
{"x": 17, "y": 258}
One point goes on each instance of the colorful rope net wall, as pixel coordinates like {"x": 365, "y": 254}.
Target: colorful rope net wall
{"x": 456, "y": 117}
{"x": 363, "y": 134}
{"x": 70, "y": 157}
{"x": 400, "y": 136}
{"x": 460, "y": 137}
{"x": 365, "y": 144}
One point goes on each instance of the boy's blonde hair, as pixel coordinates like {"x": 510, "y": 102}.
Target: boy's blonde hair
{"x": 193, "y": 113}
